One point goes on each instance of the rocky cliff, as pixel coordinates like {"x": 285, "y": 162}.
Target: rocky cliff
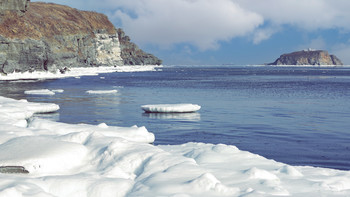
{"x": 18, "y": 6}
{"x": 51, "y": 37}
{"x": 132, "y": 55}
{"x": 307, "y": 57}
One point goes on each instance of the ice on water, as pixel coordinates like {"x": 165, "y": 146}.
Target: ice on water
{"x": 100, "y": 160}
{"x": 102, "y": 91}
{"x": 40, "y": 92}
{"x": 171, "y": 108}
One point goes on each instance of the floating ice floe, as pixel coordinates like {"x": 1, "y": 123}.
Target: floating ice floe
{"x": 170, "y": 108}
{"x": 102, "y": 91}
{"x": 40, "y": 92}
{"x": 58, "y": 91}
{"x": 59, "y": 159}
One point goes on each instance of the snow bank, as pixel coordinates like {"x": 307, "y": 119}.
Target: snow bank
{"x": 99, "y": 160}
{"x": 77, "y": 72}
{"x": 170, "y": 108}
{"x": 102, "y": 91}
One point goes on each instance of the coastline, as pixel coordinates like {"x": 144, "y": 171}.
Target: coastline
{"x": 77, "y": 72}
{"x": 120, "y": 161}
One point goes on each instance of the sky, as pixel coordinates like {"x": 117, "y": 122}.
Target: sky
{"x": 239, "y": 32}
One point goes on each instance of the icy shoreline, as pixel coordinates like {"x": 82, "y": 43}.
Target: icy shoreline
{"x": 77, "y": 72}
{"x": 100, "y": 160}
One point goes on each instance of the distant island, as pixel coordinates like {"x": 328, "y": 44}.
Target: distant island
{"x": 36, "y": 36}
{"x": 308, "y": 57}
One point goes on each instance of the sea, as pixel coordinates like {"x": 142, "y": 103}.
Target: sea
{"x": 294, "y": 115}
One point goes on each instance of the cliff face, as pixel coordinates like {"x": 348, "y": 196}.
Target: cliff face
{"x": 52, "y": 37}
{"x": 19, "y": 6}
{"x": 308, "y": 57}
{"x": 132, "y": 55}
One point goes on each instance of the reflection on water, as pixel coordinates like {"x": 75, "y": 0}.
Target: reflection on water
{"x": 195, "y": 116}
{"x": 49, "y": 116}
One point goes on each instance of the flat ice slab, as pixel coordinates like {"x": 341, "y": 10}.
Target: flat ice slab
{"x": 39, "y": 92}
{"x": 171, "y": 108}
{"x": 102, "y": 91}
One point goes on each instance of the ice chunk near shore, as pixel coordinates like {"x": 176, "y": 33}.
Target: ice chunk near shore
{"x": 40, "y": 92}
{"x": 102, "y": 91}
{"x": 16, "y": 112}
{"x": 170, "y": 108}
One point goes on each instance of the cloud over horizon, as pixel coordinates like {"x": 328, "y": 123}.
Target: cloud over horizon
{"x": 202, "y": 23}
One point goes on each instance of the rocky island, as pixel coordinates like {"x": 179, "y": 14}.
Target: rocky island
{"x": 36, "y": 36}
{"x": 308, "y": 57}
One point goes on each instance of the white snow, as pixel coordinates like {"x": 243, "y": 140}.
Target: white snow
{"x": 171, "y": 108}
{"x": 77, "y": 72}
{"x": 102, "y": 91}
{"x": 83, "y": 160}
{"x": 40, "y": 92}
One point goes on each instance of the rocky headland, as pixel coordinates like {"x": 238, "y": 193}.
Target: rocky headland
{"x": 308, "y": 57}
{"x": 36, "y": 36}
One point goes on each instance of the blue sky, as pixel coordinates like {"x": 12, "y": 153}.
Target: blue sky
{"x": 219, "y": 32}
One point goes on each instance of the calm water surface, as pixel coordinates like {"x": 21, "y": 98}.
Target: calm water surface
{"x": 299, "y": 116}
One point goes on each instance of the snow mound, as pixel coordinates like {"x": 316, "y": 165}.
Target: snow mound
{"x": 102, "y": 91}
{"x": 170, "y": 108}
{"x": 39, "y": 92}
{"x": 42, "y": 154}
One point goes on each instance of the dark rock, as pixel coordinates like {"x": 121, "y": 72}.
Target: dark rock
{"x": 307, "y": 57}
{"x": 13, "y": 170}
{"x": 132, "y": 55}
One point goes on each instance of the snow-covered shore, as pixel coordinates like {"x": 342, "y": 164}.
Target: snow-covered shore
{"x": 99, "y": 160}
{"x": 77, "y": 72}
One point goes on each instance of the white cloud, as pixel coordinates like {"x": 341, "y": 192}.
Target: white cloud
{"x": 262, "y": 34}
{"x": 202, "y": 23}
{"x": 309, "y": 15}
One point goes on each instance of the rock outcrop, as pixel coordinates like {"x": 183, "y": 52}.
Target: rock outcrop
{"x": 18, "y": 6}
{"x": 132, "y": 55}
{"x": 308, "y": 57}
{"x": 51, "y": 37}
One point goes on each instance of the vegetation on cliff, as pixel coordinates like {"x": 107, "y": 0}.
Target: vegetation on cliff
{"x": 49, "y": 20}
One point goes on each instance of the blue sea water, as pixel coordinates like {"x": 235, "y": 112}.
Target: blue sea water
{"x": 299, "y": 116}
